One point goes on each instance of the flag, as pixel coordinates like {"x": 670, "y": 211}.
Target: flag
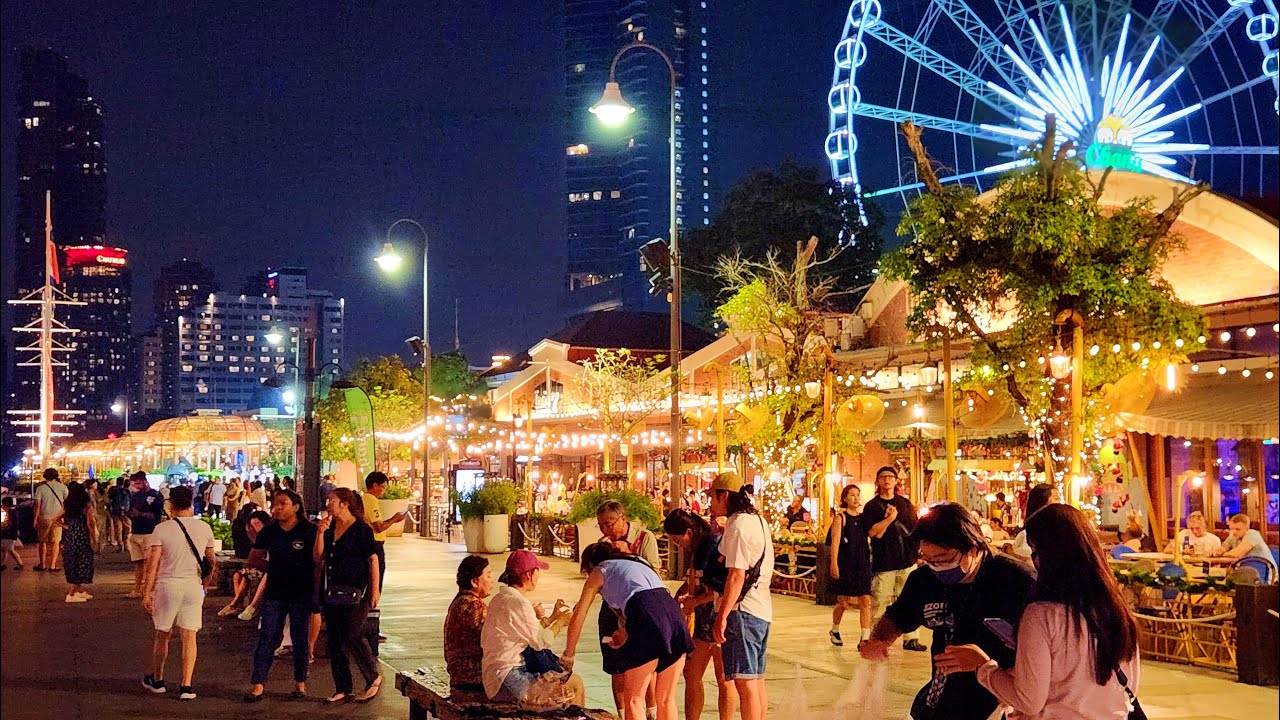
{"x": 50, "y": 250}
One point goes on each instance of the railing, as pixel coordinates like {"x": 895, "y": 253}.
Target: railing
{"x": 1194, "y": 628}
{"x": 795, "y": 570}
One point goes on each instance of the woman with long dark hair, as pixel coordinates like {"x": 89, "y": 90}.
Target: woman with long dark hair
{"x": 1038, "y": 498}
{"x": 79, "y": 525}
{"x": 702, "y": 541}
{"x": 347, "y": 561}
{"x": 1077, "y": 642}
{"x": 850, "y": 564}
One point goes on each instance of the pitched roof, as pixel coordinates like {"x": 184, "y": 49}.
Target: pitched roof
{"x": 628, "y": 329}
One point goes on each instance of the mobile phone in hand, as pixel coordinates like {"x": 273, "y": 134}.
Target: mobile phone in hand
{"x": 1003, "y": 630}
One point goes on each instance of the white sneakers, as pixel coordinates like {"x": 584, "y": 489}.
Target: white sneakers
{"x": 249, "y": 613}
{"x": 79, "y": 597}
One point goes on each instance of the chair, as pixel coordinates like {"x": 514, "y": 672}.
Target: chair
{"x": 1265, "y": 568}
{"x": 1169, "y": 570}
{"x": 1119, "y": 551}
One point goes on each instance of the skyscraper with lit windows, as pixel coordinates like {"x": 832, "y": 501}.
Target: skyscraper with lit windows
{"x": 616, "y": 179}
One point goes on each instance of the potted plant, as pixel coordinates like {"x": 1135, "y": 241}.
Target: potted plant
{"x": 472, "y": 520}
{"x": 497, "y": 502}
{"x": 638, "y": 506}
{"x": 395, "y": 499}
{"x": 221, "y": 532}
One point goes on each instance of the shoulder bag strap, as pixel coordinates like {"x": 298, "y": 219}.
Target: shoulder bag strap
{"x": 190, "y": 543}
{"x": 1136, "y": 713}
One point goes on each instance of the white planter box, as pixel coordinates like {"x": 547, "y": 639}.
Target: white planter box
{"x": 473, "y": 535}
{"x": 588, "y": 533}
{"x": 497, "y": 533}
{"x": 391, "y": 507}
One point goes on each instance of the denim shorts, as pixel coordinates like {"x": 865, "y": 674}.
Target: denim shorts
{"x": 745, "y": 639}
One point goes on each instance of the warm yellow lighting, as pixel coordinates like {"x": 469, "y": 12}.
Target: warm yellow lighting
{"x": 611, "y": 108}
{"x": 1171, "y": 377}
{"x": 1059, "y": 364}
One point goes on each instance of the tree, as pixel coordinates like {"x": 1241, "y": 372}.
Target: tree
{"x": 451, "y": 376}
{"x": 781, "y": 307}
{"x": 1040, "y": 248}
{"x": 771, "y": 210}
{"x": 621, "y": 390}
{"x": 396, "y": 398}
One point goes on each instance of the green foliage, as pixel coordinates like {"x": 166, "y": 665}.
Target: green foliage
{"x": 638, "y": 506}
{"x": 496, "y": 497}
{"x": 221, "y": 529}
{"x": 468, "y": 507}
{"x": 451, "y": 376}
{"x": 394, "y": 394}
{"x": 769, "y": 211}
{"x": 622, "y": 390}
{"x": 397, "y": 491}
{"x": 1000, "y": 271}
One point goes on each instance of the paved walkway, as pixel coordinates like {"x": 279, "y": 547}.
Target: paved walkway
{"x": 86, "y": 660}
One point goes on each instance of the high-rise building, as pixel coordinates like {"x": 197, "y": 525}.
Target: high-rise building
{"x": 230, "y": 344}
{"x": 179, "y": 289}
{"x": 148, "y": 401}
{"x": 97, "y": 368}
{"x": 617, "y": 179}
{"x": 59, "y": 151}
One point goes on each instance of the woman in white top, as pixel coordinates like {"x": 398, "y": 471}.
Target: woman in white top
{"x": 1037, "y": 498}
{"x": 511, "y": 626}
{"x": 1077, "y": 641}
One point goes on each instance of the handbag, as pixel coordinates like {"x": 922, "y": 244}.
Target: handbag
{"x": 206, "y": 567}
{"x": 334, "y": 594}
{"x": 1135, "y": 708}
{"x": 537, "y": 662}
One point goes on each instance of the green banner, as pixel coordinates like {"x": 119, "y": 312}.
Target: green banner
{"x": 360, "y": 418}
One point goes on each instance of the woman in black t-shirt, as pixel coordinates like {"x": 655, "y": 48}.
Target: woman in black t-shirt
{"x": 346, "y": 555}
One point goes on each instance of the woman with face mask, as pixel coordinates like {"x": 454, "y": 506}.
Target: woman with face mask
{"x": 966, "y": 596}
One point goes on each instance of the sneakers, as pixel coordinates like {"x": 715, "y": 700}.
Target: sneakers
{"x": 249, "y": 613}
{"x": 228, "y": 610}
{"x": 77, "y": 598}
{"x": 152, "y": 684}
{"x": 85, "y": 595}
{"x": 835, "y": 638}
{"x": 913, "y": 645}
{"x": 186, "y": 693}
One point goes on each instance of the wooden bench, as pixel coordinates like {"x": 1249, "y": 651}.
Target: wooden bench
{"x": 428, "y": 691}
{"x": 228, "y": 564}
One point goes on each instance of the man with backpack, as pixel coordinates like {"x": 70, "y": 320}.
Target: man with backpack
{"x": 179, "y": 560}
{"x": 745, "y": 612}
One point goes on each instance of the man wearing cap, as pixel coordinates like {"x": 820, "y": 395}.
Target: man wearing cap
{"x": 745, "y": 610}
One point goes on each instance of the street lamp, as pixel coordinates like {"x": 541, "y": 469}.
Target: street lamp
{"x": 389, "y": 261}
{"x": 121, "y": 407}
{"x": 613, "y": 110}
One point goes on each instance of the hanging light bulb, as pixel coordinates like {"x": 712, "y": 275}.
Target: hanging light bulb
{"x": 1059, "y": 363}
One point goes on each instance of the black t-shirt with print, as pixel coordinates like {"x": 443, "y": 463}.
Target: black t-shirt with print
{"x": 894, "y": 550}
{"x": 290, "y": 560}
{"x": 955, "y": 614}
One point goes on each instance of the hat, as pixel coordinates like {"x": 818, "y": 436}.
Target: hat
{"x": 727, "y": 481}
{"x": 523, "y": 561}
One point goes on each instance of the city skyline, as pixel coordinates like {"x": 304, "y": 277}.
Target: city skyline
{"x": 264, "y": 172}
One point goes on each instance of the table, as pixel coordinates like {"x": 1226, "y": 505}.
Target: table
{"x": 1168, "y": 557}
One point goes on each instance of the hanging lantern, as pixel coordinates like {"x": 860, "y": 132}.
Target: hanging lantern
{"x": 1059, "y": 363}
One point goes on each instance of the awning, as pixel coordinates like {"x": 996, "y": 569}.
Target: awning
{"x": 974, "y": 465}
{"x": 1213, "y": 407}
{"x": 900, "y": 422}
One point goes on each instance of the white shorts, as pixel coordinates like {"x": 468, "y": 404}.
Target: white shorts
{"x": 137, "y": 545}
{"x": 178, "y": 602}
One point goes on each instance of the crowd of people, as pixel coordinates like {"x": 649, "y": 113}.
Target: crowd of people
{"x": 1035, "y": 626}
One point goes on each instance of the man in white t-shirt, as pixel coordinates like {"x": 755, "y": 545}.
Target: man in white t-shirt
{"x": 214, "y": 497}
{"x": 1196, "y": 538}
{"x": 173, "y": 591}
{"x": 742, "y": 628}
{"x": 49, "y": 497}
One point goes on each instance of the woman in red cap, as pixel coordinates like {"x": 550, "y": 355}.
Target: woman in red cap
{"x": 512, "y": 627}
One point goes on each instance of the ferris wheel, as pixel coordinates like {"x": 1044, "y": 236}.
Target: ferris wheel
{"x": 1183, "y": 89}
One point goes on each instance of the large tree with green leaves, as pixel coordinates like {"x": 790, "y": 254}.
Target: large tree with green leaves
{"x": 394, "y": 393}
{"x": 621, "y": 390}
{"x": 769, "y": 211}
{"x": 1039, "y": 247}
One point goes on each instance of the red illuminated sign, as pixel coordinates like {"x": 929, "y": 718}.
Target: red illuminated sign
{"x": 96, "y": 255}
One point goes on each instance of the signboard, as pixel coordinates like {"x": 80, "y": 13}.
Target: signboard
{"x": 96, "y": 255}
{"x": 360, "y": 418}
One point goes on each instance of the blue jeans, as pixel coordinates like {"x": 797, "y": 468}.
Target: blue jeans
{"x": 745, "y": 639}
{"x": 271, "y": 632}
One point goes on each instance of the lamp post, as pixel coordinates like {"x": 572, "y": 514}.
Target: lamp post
{"x": 613, "y": 110}
{"x": 121, "y": 407}
{"x": 389, "y": 260}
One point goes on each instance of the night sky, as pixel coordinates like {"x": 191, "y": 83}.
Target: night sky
{"x": 290, "y": 133}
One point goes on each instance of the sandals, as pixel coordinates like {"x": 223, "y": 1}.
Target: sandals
{"x": 370, "y": 692}
{"x": 337, "y": 698}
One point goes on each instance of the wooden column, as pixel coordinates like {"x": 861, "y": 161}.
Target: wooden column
{"x": 1160, "y": 484}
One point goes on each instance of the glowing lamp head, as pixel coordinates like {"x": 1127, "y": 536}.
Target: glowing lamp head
{"x": 117, "y": 408}
{"x": 611, "y": 108}
{"x": 812, "y": 389}
{"x": 389, "y": 259}
{"x": 1059, "y": 364}
{"x": 274, "y": 337}
{"x": 288, "y": 396}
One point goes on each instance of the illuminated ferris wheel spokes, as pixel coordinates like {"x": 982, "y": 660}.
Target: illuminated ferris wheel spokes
{"x": 1117, "y": 85}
